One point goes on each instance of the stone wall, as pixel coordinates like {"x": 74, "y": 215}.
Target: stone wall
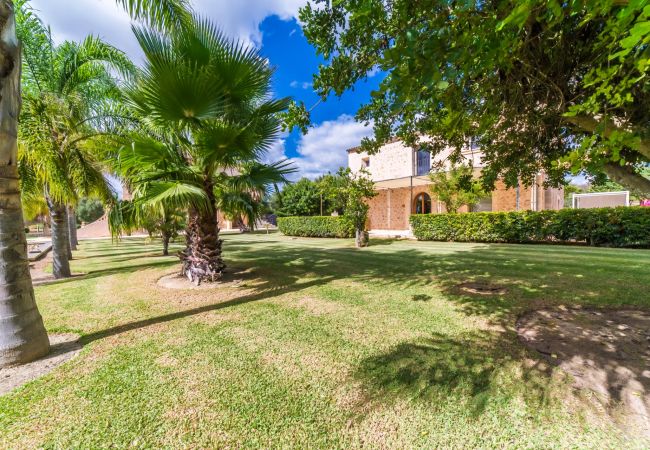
{"x": 393, "y": 160}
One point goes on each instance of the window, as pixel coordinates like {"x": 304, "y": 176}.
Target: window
{"x": 365, "y": 163}
{"x": 422, "y": 163}
{"x": 422, "y": 204}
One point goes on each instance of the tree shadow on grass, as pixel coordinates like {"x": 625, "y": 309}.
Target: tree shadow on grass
{"x": 407, "y": 267}
{"x": 264, "y": 291}
{"x": 467, "y": 371}
{"x": 92, "y": 274}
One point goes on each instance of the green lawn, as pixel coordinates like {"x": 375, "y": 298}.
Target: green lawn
{"x": 322, "y": 345}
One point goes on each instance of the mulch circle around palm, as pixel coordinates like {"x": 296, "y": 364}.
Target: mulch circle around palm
{"x": 606, "y": 351}
{"x": 63, "y": 347}
{"x": 232, "y": 277}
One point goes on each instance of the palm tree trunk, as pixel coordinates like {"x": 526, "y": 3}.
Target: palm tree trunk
{"x": 60, "y": 241}
{"x": 22, "y": 335}
{"x": 166, "y": 238}
{"x": 66, "y": 230}
{"x": 72, "y": 228}
{"x": 201, "y": 259}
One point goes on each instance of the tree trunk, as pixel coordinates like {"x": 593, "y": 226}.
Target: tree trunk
{"x": 201, "y": 259}
{"x": 361, "y": 238}
{"x": 66, "y": 230}
{"x": 72, "y": 228}
{"x": 165, "y": 238}
{"x": 628, "y": 177}
{"x": 60, "y": 241}
{"x": 22, "y": 335}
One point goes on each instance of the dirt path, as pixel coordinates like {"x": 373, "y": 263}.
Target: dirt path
{"x": 607, "y": 352}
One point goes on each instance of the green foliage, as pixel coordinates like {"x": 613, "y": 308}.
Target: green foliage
{"x": 457, "y": 187}
{"x": 70, "y": 102}
{"x": 89, "y": 209}
{"x": 569, "y": 190}
{"x": 34, "y": 207}
{"x": 350, "y": 192}
{"x": 158, "y": 220}
{"x": 302, "y": 198}
{"x": 317, "y": 226}
{"x": 604, "y": 184}
{"x": 205, "y": 119}
{"x": 538, "y": 85}
{"x": 614, "y": 227}
{"x": 163, "y": 14}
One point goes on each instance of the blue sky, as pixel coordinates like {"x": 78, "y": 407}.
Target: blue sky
{"x": 272, "y": 27}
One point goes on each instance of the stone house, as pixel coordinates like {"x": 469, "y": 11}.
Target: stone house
{"x": 401, "y": 176}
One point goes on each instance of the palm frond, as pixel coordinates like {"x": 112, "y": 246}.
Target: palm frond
{"x": 91, "y": 55}
{"x": 175, "y": 194}
{"x": 161, "y": 14}
{"x": 259, "y": 178}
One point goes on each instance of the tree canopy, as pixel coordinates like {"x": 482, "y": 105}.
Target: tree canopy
{"x": 302, "y": 198}
{"x": 350, "y": 192}
{"x": 456, "y": 188}
{"x": 206, "y": 116}
{"x": 89, "y": 209}
{"x": 538, "y": 85}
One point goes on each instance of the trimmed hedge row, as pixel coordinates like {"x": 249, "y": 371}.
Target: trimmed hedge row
{"x": 317, "y": 226}
{"x": 612, "y": 227}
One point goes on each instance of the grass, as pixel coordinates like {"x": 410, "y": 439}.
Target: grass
{"x": 321, "y": 345}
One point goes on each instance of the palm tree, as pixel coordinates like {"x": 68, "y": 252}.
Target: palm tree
{"x": 207, "y": 106}
{"x": 22, "y": 335}
{"x": 126, "y": 216}
{"x": 70, "y": 101}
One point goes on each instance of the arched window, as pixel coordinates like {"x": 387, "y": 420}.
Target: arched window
{"x": 422, "y": 204}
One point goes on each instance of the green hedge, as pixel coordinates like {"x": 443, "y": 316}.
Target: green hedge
{"x": 317, "y": 226}
{"x": 614, "y": 227}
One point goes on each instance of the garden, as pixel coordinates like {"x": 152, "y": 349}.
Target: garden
{"x": 313, "y": 340}
{"x": 522, "y": 329}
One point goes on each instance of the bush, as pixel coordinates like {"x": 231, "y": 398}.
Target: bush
{"x": 613, "y": 227}
{"x": 317, "y": 226}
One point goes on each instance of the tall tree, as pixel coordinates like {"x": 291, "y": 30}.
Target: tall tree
{"x": 207, "y": 106}
{"x": 160, "y": 219}
{"x": 538, "y": 85}
{"x": 302, "y": 198}
{"x": 89, "y": 209}
{"x": 70, "y": 101}
{"x": 350, "y": 192}
{"x": 456, "y": 188}
{"x": 22, "y": 335}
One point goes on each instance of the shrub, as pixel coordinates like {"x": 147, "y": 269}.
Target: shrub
{"x": 614, "y": 227}
{"x": 317, "y": 226}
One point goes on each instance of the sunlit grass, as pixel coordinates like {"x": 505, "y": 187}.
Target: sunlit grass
{"x": 321, "y": 345}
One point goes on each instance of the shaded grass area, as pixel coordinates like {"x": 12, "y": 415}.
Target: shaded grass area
{"x": 323, "y": 345}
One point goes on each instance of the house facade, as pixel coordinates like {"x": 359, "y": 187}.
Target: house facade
{"x": 401, "y": 177}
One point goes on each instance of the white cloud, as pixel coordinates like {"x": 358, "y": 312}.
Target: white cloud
{"x": 239, "y": 19}
{"x": 323, "y": 149}
{"x": 304, "y": 85}
{"x": 75, "y": 19}
{"x": 277, "y": 151}
{"x": 374, "y": 71}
